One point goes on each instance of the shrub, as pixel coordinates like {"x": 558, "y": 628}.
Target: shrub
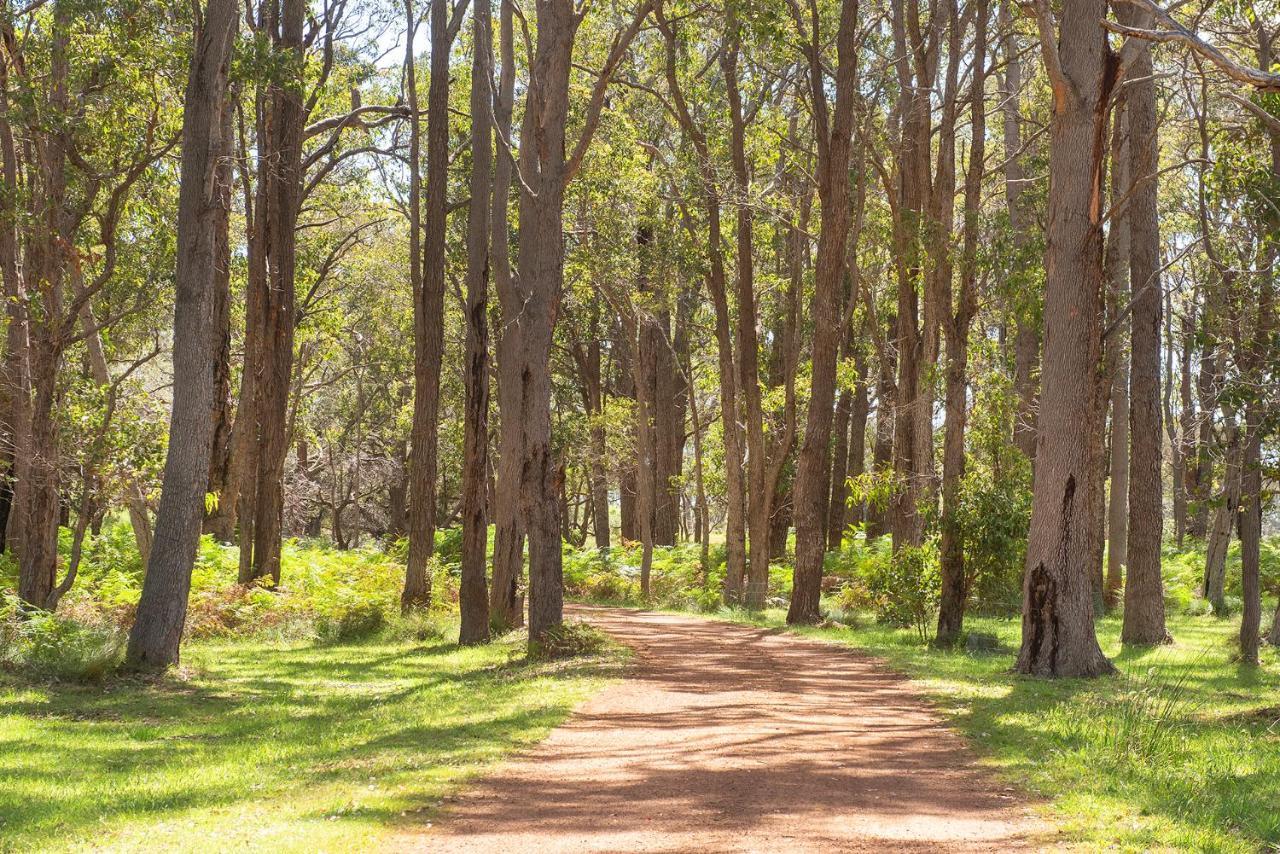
{"x": 904, "y": 588}
{"x": 570, "y": 639}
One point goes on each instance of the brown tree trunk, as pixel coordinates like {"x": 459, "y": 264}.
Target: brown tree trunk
{"x": 956, "y": 323}
{"x": 505, "y": 608}
{"x": 1143, "y": 591}
{"x": 834, "y": 133}
{"x": 1058, "y": 636}
{"x": 428, "y": 314}
{"x": 635, "y": 328}
{"x": 281, "y": 118}
{"x": 1116, "y": 358}
{"x": 473, "y": 597}
{"x": 202, "y": 265}
{"x": 759, "y": 494}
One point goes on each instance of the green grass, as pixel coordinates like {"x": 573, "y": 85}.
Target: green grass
{"x": 274, "y": 746}
{"x": 1180, "y": 752}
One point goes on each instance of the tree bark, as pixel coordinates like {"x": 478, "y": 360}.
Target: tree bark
{"x": 735, "y": 535}
{"x": 473, "y": 597}
{"x": 1058, "y": 636}
{"x": 1213, "y": 587}
{"x": 834, "y": 132}
{"x": 960, "y": 310}
{"x": 1117, "y": 358}
{"x": 505, "y": 605}
{"x": 202, "y": 264}
{"x": 428, "y": 304}
{"x": 1144, "y": 592}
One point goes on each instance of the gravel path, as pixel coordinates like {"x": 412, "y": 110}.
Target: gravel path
{"x": 732, "y": 738}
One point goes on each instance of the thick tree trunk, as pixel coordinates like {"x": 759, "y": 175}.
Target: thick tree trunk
{"x": 202, "y": 266}
{"x": 473, "y": 597}
{"x": 1058, "y": 636}
{"x": 1143, "y": 592}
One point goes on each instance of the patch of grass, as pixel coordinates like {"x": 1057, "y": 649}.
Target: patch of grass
{"x": 1181, "y": 751}
{"x": 273, "y": 745}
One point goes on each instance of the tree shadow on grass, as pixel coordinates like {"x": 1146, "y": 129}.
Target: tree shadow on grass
{"x": 257, "y": 723}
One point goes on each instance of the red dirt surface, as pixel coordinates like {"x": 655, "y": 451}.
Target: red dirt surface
{"x": 738, "y": 739}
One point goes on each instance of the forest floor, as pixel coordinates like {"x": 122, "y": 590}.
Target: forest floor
{"x": 263, "y": 745}
{"x": 740, "y": 738}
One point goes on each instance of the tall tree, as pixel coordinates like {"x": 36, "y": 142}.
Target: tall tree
{"x": 545, "y": 171}
{"x": 1058, "y": 636}
{"x": 833, "y": 129}
{"x": 428, "y": 302}
{"x": 473, "y": 598}
{"x": 1143, "y": 590}
{"x": 959, "y": 310}
{"x": 270, "y": 304}
{"x": 202, "y": 278}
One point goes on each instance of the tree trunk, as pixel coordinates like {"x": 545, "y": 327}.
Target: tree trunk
{"x": 759, "y": 495}
{"x": 956, "y": 324}
{"x": 1026, "y": 344}
{"x": 834, "y": 137}
{"x": 1058, "y": 636}
{"x": 882, "y": 450}
{"x": 281, "y": 119}
{"x": 505, "y": 606}
{"x": 473, "y": 597}
{"x": 735, "y": 535}
{"x": 202, "y": 266}
{"x": 1116, "y": 357}
{"x": 1143, "y": 591}
{"x": 1213, "y": 587}
{"x": 428, "y": 304}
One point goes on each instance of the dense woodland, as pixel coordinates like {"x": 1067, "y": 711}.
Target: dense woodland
{"x": 992, "y": 284}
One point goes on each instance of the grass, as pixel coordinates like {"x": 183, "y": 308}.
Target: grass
{"x": 275, "y": 746}
{"x": 1179, "y": 752}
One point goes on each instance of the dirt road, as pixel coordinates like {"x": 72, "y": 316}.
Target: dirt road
{"x": 730, "y": 738}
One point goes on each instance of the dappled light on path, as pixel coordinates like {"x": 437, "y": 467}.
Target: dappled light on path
{"x": 732, "y": 738}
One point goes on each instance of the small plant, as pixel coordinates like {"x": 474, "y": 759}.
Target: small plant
{"x": 569, "y": 640}
{"x": 46, "y": 645}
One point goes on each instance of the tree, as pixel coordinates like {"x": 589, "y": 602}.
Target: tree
{"x": 833, "y": 129}
{"x": 473, "y": 598}
{"x": 1058, "y": 637}
{"x": 203, "y": 262}
{"x": 1144, "y": 592}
